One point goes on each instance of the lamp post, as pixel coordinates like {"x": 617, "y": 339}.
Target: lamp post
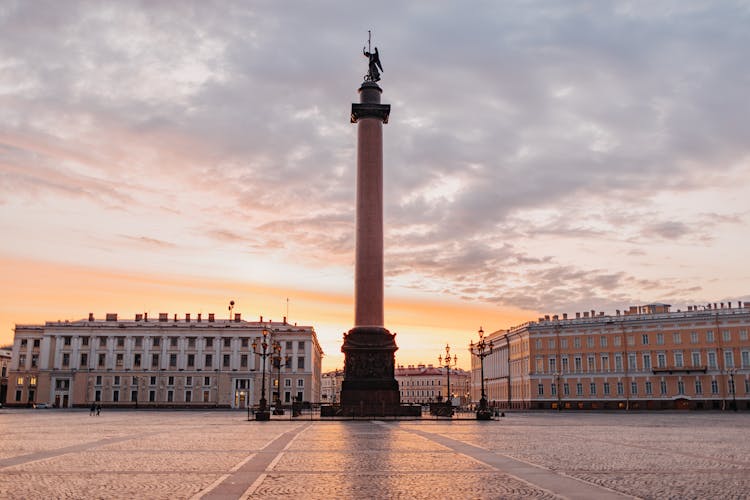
{"x": 335, "y": 385}
{"x": 559, "y": 393}
{"x": 447, "y": 363}
{"x": 262, "y": 413}
{"x": 277, "y": 358}
{"x": 482, "y": 349}
{"x": 136, "y": 381}
{"x": 732, "y": 371}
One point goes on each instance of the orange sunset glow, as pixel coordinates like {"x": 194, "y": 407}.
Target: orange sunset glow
{"x": 52, "y": 292}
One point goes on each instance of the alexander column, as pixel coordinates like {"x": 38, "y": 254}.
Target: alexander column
{"x": 369, "y": 387}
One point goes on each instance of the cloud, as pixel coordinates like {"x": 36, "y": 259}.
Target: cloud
{"x": 537, "y": 155}
{"x": 148, "y": 241}
{"x": 670, "y": 230}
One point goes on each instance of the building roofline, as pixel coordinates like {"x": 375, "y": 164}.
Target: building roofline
{"x": 623, "y": 319}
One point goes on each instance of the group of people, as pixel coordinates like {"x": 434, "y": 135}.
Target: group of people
{"x": 95, "y": 409}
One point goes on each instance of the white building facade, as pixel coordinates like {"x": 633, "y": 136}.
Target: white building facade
{"x": 330, "y": 387}
{"x": 5, "y": 357}
{"x": 162, "y": 362}
{"x": 424, "y": 384}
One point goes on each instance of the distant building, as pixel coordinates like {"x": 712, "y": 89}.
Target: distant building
{"x": 5, "y": 356}
{"x": 161, "y": 362}
{"x": 423, "y": 384}
{"x": 330, "y": 387}
{"x": 647, "y": 357}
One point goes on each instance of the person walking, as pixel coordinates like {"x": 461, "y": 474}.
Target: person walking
{"x": 98, "y": 409}
{"x": 92, "y": 410}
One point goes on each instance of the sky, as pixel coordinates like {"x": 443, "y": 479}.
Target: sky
{"x": 540, "y": 158}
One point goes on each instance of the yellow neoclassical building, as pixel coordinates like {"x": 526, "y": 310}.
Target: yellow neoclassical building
{"x": 647, "y": 357}
{"x": 167, "y": 361}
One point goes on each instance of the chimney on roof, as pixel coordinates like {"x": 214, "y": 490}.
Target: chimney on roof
{"x": 546, "y": 317}
{"x": 163, "y": 317}
{"x": 139, "y": 317}
{"x": 565, "y": 315}
{"x": 578, "y": 315}
{"x": 175, "y": 317}
{"x": 285, "y": 320}
{"x": 261, "y": 318}
{"x": 585, "y": 314}
{"x": 722, "y": 305}
{"x": 211, "y": 317}
{"x": 199, "y": 317}
{"x": 554, "y": 318}
{"x": 111, "y": 317}
{"x": 617, "y": 311}
{"x": 91, "y": 316}
{"x": 593, "y": 313}
{"x": 145, "y": 316}
{"x": 187, "y": 317}
{"x": 237, "y": 317}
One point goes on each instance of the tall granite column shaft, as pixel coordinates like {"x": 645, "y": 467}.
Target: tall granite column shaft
{"x": 369, "y": 387}
{"x": 368, "y": 282}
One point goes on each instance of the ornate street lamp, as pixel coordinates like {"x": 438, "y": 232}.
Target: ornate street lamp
{"x": 277, "y": 359}
{"x": 262, "y": 413}
{"x": 482, "y": 349}
{"x": 558, "y": 390}
{"x": 447, "y": 363}
{"x": 732, "y": 371}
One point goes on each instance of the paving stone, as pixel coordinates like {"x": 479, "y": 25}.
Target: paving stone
{"x": 184, "y": 454}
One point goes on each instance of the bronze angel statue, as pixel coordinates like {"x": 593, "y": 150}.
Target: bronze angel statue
{"x": 373, "y": 75}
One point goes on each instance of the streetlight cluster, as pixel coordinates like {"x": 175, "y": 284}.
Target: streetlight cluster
{"x": 732, "y": 371}
{"x": 447, "y": 363}
{"x": 263, "y": 413}
{"x": 277, "y": 361}
{"x": 482, "y": 349}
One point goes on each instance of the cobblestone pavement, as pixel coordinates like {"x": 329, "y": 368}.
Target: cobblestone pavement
{"x": 218, "y": 454}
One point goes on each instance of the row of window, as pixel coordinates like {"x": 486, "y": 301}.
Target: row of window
{"x": 208, "y": 342}
{"x": 425, "y": 394}
{"x": 188, "y": 379}
{"x": 678, "y": 361}
{"x": 187, "y": 396}
{"x": 726, "y": 336}
{"x": 34, "y": 360}
{"x": 418, "y": 382}
{"x": 190, "y": 361}
{"x": 20, "y": 381}
{"x": 634, "y": 387}
{"x": 152, "y": 380}
{"x": 64, "y": 384}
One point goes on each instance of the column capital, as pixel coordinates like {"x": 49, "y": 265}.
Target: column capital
{"x": 370, "y": 110}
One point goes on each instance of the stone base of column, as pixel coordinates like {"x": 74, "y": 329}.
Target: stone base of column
{"x": 370, "y": 388}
